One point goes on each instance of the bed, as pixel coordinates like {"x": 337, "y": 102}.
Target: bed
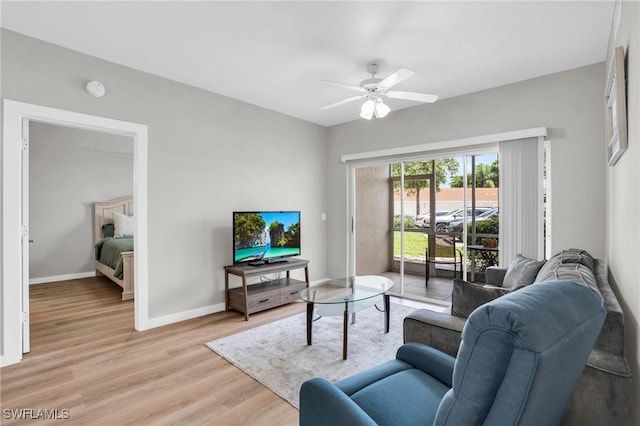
{"x": 114, "y": 255}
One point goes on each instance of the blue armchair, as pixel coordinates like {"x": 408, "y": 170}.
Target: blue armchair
{"x": 520, "y": 359}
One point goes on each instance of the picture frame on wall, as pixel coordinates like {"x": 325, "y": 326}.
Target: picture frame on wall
{"x": 616, "y": 108}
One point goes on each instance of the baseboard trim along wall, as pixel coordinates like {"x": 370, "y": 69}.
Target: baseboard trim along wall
{"x": 65, "y": 277}
{"x": 185, "y": 315}
{"x": 198, "y": 312}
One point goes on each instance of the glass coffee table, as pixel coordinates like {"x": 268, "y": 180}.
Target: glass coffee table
{"x": 348, "y": 296}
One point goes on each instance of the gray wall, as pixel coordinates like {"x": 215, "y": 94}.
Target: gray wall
{"x": 69, "y": 170}
{"x": 623, "y": 204}
{"x": 569, "y": 104}
{"x": 207, "y": 156}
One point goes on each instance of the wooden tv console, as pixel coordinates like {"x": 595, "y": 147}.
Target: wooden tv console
{"x": 250, "y": 298}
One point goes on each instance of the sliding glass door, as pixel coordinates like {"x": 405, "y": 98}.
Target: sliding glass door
{"x": 410, "y": 184}
{"x": 407, "y": 209}
{"x": 478, "y": 226}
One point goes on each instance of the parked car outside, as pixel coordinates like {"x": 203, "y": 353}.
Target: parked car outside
{"x": 456, "y": 225}
{"x": 422, "y": 220}
{"x": 442, "y": 222}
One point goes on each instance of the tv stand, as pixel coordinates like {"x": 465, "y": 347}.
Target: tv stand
{"x": 267, "y": 262}
{"x": 250, "y": 298}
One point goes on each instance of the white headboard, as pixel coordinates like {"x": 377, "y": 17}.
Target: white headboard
{"x": 103, "y": 213}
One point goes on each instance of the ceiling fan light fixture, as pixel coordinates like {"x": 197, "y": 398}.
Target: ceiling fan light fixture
{"x": 373, "y": 89}
{"x": 367, "y": 109}
{"x": 382, "y": 110}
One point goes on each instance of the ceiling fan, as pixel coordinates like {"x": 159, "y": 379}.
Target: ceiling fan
{"x": 373, "y": 88}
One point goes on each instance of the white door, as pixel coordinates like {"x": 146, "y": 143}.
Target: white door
{"x": 26, "y": 347}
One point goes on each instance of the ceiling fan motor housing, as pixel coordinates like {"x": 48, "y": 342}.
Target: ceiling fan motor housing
{"x": 371, "y": 84}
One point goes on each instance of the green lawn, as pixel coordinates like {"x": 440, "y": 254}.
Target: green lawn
{"x": 415, "y": 245}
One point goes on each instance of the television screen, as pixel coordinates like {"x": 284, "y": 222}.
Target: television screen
{"x": 265, "y": 237}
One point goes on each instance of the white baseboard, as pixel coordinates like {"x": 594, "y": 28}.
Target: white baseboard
{"x": 185, "y": 315}
{"x": 66, "y": 277}
{"x": 194, "y": 313}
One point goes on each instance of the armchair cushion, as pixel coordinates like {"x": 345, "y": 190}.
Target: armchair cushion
{"x": 521, "y": 271}
{"x": 335, "y": 408}
{"x": 466, "y": 296}
{"x": 379, "y": 395}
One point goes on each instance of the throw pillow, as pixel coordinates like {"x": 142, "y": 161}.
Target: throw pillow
{"x": 466, "y": 297}
{"x": 521, "y": 271}
{"x": 107, "y": 230}
{"x": 123, "y": 225}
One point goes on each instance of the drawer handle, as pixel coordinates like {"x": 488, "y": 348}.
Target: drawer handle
{"x": 293, "y": 292}
{"x": 264, "y": 300}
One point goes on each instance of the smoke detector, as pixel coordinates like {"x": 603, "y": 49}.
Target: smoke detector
{"x": 95, "y": 89}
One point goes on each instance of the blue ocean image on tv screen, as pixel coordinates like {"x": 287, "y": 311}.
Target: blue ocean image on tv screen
{"x": 266, "y": 235}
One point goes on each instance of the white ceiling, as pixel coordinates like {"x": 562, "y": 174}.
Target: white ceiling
{"x": 274, "y": 54}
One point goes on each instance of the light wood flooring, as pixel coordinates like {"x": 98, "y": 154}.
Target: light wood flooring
{"x": 87, "y": 358}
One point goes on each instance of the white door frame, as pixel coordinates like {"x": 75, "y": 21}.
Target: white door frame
{"x": 26, "y": 240}
{"x": 12, "y": 282}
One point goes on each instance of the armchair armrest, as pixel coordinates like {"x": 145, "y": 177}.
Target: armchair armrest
{"x": 322, "y": 403}
{"x": 432, "y": 361}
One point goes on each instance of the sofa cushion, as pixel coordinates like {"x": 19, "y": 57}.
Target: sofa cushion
{"x": 575, "y": 272}
{"x": 466, "y": 297}
{"x": 577, "y": 256}
{"x": 571, "y": 265}
{"x": 569, "y": 256}
{"x": 521, "y": 271}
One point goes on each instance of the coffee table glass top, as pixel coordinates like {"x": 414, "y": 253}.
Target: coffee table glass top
{"x": 350, "y": 289}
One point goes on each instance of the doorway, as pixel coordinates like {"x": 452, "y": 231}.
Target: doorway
{"x": 69, "y": 170}
{"x": 15, "y": 300}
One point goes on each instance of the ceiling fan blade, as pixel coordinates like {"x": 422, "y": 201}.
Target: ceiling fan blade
{"x": 395, "y": 78}
{"x": 412, "y": 96}
{"x": 348, "y": 86}
{"x": 344, "y": 101}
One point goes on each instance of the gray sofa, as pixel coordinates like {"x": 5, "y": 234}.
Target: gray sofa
{"x": 601, "y": 396}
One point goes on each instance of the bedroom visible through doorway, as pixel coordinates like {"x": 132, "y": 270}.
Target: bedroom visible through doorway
{"x": 69, "y": 170}
{"x": 15, "y": 298}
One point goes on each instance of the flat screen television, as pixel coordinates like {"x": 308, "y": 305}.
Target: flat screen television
{"x": 265, "y": 237}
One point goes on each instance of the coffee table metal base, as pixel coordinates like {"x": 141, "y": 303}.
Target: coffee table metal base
{"x": 345, "y": 322}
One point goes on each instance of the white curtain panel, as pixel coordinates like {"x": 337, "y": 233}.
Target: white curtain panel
{"x": 521, "y": 199}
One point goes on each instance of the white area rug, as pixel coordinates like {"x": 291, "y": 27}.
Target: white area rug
{"x": 277, "y": 354}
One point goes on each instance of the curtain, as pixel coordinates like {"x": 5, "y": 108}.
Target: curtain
{"x": 521, "y": 199}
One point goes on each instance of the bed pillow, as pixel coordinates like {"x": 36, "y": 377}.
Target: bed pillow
{"x": 123, "y": 225}
{"x": 107, "y": 230}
